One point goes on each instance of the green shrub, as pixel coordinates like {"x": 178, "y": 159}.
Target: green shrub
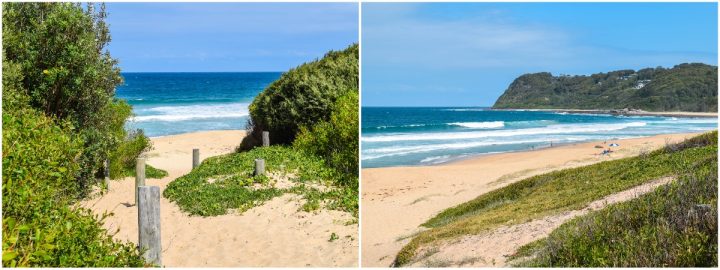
{"x": 336, "y": 140}
{"x": 59, "y": 52}
{"x": 40, "y": 227}
{"x": 676, "y": 225}
{"x": 302, "y": 96}
{"x": 124, "y": 158}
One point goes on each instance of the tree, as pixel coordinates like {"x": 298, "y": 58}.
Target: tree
{"x": 67, "y": 72}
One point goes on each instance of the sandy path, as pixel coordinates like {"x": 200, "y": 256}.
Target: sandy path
{"x": 395, "y": 201}
{"x": 274, "y": 234}
{"x": 492, "y": 249}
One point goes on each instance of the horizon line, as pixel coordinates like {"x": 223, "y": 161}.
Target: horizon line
{"x": 202, "y": 71}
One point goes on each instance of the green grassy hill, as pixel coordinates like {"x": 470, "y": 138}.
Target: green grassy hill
{"x": 572, "y": 189}
{"x": 685, "y": 87}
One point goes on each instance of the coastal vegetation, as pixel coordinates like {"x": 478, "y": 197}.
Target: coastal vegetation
{"x": 61, "y": 121}
{"x": 227, "y": 182}
{"x": 572, "y": 189}
{"x": 303, "y": 96}
{"x": 685, "y": 87}
{"x": 311, "y": 113}
{"x": 676, "y": 225}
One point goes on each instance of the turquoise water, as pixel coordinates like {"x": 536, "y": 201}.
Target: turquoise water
{"x": 174, "y": 103}
{"x": 425, "y": 136}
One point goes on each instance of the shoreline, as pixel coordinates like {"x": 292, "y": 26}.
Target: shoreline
{"x": 481, "y": 155}
{"x": 396, "y": 200}
{"x": 622, "y": 112}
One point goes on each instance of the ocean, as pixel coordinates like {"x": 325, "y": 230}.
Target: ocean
{"x": 174, "y": 103}
{"x": 426, "y": 136}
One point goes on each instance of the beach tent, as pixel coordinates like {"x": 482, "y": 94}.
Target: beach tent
{"x": 614, "y": 144}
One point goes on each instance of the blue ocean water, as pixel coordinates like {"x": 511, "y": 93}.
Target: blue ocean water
{"x": 173, "y": 103}
{"x": 424, "y": 136}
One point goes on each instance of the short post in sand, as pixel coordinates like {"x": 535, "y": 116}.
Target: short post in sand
{"x": 266, "y": 138}
{"x": 259, "y": 167}
{"x": 106, "y": 169}
{"x": 139, "y": 176}
{"x": 149, "y": 223}
{"x": 196, "y": 157}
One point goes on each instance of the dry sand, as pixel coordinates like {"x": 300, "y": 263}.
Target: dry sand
{"x": 396, "y": 200}
{"x": 273, "y": 234}
{"x": 493, "y": 248}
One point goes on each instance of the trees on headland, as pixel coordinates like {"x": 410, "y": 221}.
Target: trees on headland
{"x": 685, "y": 87}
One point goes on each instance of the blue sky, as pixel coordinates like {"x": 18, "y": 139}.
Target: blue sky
{"x": 466, "y": 54}
{"x": 167, "y": 37}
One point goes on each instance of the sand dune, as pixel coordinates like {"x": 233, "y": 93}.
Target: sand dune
{"x": 395, "y": 201}
{"x": 493, "y": 248}
{"x": 274, "y": 234}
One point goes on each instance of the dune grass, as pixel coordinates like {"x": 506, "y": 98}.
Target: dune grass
{"x": 226, "y": 182}
{"x": 676, "y": 225}
{"x": 558, "y": 191}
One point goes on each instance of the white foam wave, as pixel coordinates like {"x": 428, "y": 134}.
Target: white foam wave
{"x": 435, "y": 159}
{"x": 192, "y": 112}
{"x": 410, "y": 125}
{"x": 693, "y": 120}
{"x": 405, "y": 150}
{"x": 492, "y": 124}
{"x": 551, "y": 129}
{"x": 466, "y": 110}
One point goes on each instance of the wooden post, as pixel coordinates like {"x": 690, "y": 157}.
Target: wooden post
{"x": 266, "y": 138}
{"x": 106, "y": 169}
{"x": 139, "y": 176}
{"x": 259, "y": 167}
{"x": 149, "y": 224}
{"x": 196, "y": 158}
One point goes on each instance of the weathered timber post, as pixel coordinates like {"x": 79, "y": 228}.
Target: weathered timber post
{"x": 196, "y": 158}
{"x": 139, "y": 176}
{"x": 106, "y": 169}
{"x": 259, "y": 167}
{"x": 266, "y": 138}
{"x": 149, "y": 224}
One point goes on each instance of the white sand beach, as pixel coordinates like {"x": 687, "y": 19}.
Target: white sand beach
{"x": 396, "y": 200}
{"x": 275, "y": 234}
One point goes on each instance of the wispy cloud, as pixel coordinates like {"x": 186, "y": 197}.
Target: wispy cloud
{"x": 489, "y": 40}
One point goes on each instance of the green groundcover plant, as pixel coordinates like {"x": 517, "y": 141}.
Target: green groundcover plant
{"x": 570, "y": 189}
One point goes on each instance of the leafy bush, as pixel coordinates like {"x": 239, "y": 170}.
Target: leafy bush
{"x": 676, "y": 225}
{"x": 40, "y": 227}
{"x": 124, "y": 158}
{"x": 302, "y": 97}
{"x": 59, "y": 50}
{"x": 336, "y": 140}
{"x": 226, "y": 182}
